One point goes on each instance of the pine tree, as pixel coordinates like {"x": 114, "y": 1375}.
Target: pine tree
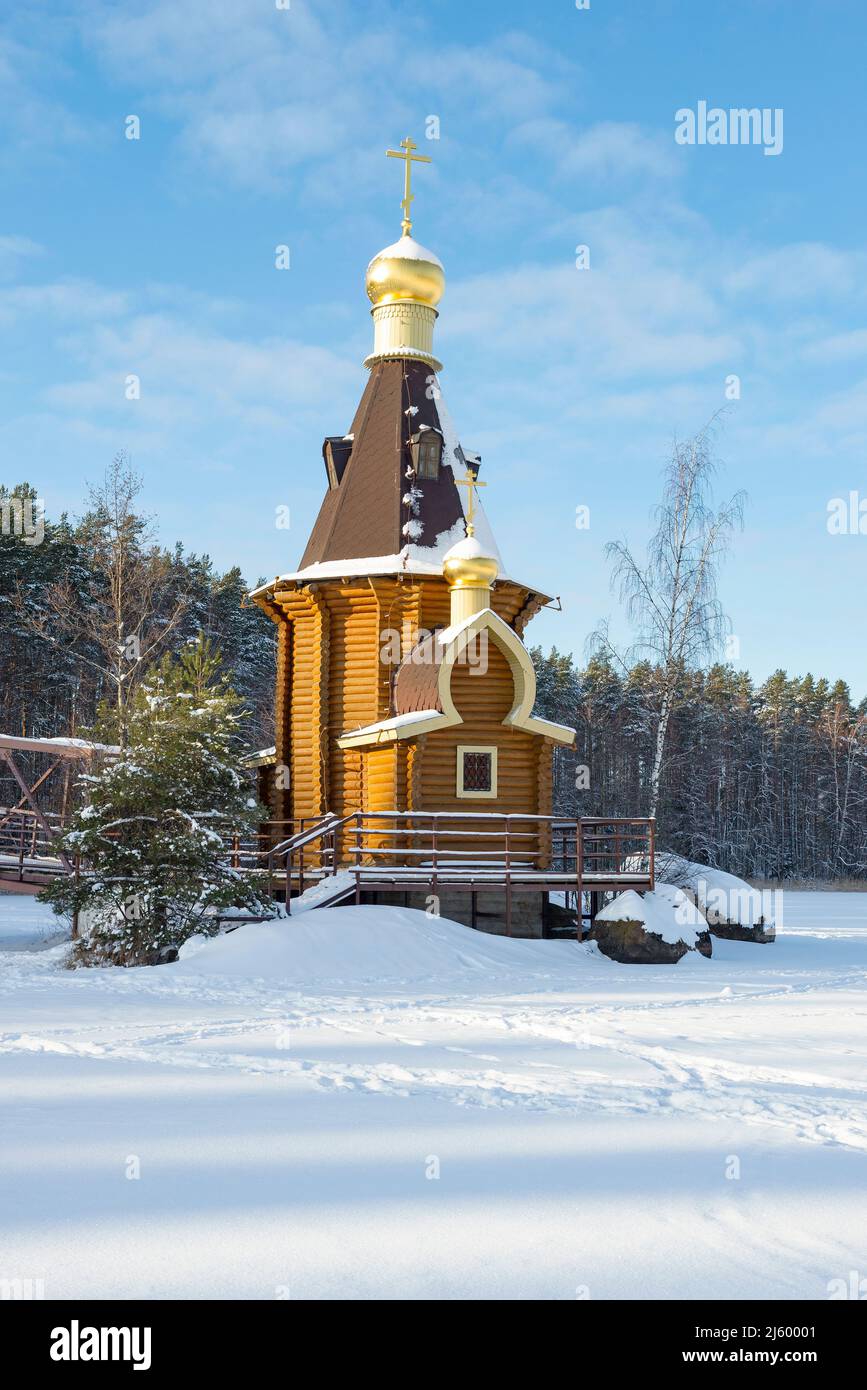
{"x": 766, "y": 783}
{"x": 151, "y": 835}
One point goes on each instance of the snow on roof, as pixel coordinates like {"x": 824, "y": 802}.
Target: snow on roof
{"x": 397, "y": 721}
{"x": 452, "y": 454}
{"x": 261, "y": 758}
{"x": 444, "y": 635}
{"x": 413, "y": 559}
{"x": 66, "y": 747}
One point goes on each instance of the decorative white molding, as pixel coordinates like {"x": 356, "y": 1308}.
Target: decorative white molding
{"x": 460, "y": 788}
{"x": 454, "y": 642}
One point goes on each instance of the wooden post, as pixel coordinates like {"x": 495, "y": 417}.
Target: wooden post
{"x": 652, "y": 854}
{"x": 358, "y": 843}
{"x": 75, "y": 913}
{"x": 579, "y": 855}
{"x": 508, "y": 883}
{"x": 579, "y": 874}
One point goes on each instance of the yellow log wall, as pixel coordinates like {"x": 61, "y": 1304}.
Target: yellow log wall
{"x": 330, "y": 679}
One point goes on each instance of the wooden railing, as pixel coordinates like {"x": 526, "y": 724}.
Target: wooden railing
{"x": 391, "y": 849}
{"x": 27, "y": 849}
{"x": 469, "y": 849}
{"x": 320, "y": 837}
{"x": 606, "y": 847}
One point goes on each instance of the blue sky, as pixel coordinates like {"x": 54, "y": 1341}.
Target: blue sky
{"x": 262, "y": 126}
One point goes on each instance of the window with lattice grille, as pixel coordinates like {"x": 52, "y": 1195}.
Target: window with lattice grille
{"x": 477, "y": 771}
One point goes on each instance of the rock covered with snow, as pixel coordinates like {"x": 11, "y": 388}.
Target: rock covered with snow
{"x": 732, "y": 908}
{"x": 655, "y": 928}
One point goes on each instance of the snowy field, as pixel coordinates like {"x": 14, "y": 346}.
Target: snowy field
{"x": 368, "y": 1103}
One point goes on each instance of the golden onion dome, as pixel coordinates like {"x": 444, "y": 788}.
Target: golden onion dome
{"x": 467, "y": 566}
{"x": 405, "y": 271}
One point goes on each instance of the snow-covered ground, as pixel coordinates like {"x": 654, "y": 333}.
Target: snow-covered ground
{"x": 364, "y": 1102}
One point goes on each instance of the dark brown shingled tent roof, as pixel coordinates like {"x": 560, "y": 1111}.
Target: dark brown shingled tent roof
{"x": 365, "y": 515}
{"x": 416, "y": 684}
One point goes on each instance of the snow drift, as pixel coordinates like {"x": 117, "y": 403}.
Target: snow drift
{"x": 371, "y": 944}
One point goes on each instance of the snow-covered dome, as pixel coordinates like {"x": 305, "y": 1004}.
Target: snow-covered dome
{"x": 469, "y": 566}
{"x": 405, "y": 271}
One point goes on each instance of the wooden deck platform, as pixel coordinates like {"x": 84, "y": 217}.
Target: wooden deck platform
{"x": 472, "y": 852}
{"x": 400, "y": 852}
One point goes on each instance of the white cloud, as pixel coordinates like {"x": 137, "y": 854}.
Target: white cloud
{"x": 257, "y": 93}
{"x": 800, "y": 271}
{"x": 839, "y": 347}
{"x": 14, "y": 250}
{"x": 62, "y": 299}
{"x": 611, "y": 151}
{"x": 617, "y": 320}
{"x": 192, "y": 378}
{"x": 33, "y": 119}
{"x": 253, "y": 91}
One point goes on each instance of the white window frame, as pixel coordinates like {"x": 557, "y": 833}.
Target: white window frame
{"x": 490, "y": 748}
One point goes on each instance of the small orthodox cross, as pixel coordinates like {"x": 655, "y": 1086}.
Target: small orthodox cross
{"x": 470, "y": 481}
{"x": 406, "y": 153}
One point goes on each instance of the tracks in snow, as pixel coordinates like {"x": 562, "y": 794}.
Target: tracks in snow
{"x": 532, "y": 1055}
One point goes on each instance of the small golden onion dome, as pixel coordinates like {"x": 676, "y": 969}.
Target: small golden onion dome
{"x": 405, "y": 270}
{"x": 467, "y": 566}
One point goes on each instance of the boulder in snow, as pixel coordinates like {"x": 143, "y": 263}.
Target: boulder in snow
{"x": 655, "y": 928}
{"x": 732, "y": 908}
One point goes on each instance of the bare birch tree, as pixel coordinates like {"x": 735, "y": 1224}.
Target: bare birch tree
{"x": 671, "y": 598}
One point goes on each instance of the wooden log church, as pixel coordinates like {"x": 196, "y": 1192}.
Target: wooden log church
{"x": 407, "y": 747}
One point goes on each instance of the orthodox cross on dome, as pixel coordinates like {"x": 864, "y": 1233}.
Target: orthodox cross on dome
{"x": 471, "y": 481}
{"x": 406, "y": 154}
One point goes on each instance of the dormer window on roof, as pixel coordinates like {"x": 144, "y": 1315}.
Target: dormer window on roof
{"x": 336, "y": 451}
{"x": 427, "y": 452}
